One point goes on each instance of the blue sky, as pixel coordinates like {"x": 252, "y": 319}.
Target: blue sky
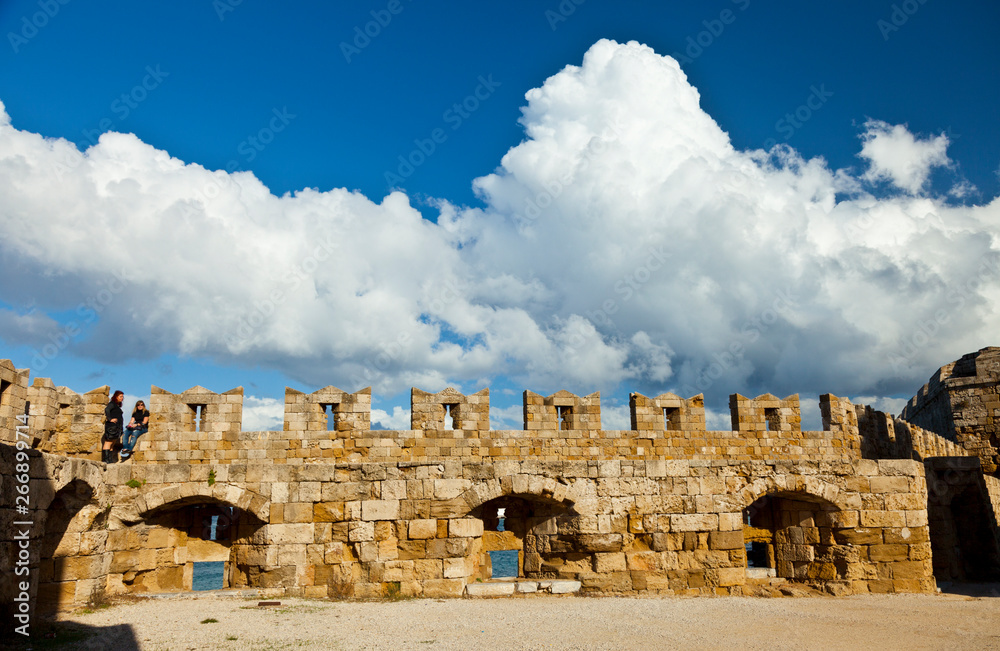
{"x": 853, "y": 253}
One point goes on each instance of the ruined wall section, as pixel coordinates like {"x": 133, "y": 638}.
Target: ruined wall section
{"x": 13, "y": 394}
{"x": 450, "y": 411}
{"x": 962, "y": 402}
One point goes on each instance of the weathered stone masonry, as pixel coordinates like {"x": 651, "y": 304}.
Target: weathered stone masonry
{"x": 328, "y": 507}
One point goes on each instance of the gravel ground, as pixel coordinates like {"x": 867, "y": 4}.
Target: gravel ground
{"x": 948, "y": 621}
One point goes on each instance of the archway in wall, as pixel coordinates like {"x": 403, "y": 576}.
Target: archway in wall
{"x": 790, "y": 535}
{"x": 70, "y": 565}
{"x": 528, "y": 545}
{"x": 963, "y": 547}
{"x": 197, "y": 544}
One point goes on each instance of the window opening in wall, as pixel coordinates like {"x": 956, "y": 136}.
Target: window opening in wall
{"x": 208, "y": 575}
{"x": 759, "y": 538}
{"x": 772, "y": 419}
{"x": 27, "y": 407}
{"x": 213, "y": 528}
{"x": 450, "y": 416}
{"x": 329, "y": 412}
{"x": 564, "y": 414}
{"x": 671, "y": 418}
{"x": 199, "y": 417}
{"x": 4, "y": 385}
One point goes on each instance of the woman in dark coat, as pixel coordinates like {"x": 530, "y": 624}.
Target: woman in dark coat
{"x": 112, "y": 426}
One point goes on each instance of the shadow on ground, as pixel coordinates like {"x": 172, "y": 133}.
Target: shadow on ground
{"x": 977, "y": 590}
{"x": 73, "y": 636}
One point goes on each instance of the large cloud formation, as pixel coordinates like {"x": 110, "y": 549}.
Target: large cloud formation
{"x": 625, "y": 242}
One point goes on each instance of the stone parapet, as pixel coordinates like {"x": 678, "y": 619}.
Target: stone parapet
{"x": 450, "y": 410}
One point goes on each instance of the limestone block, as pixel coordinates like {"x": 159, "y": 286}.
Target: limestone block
{"x": 465, "y": 528}
{"x": 423, "y": 529}
{"x": 456, "y": 568}
{"x": 726, "y": 540}
{"x": 694, "y": 522}
{"x": 328, "y": 512}
{"x": 883, "y": 519}
{"x": 730, "y": 576}
{"x": 361, "y": 531}
{"x": 447, "y": 489}
{"x": 443, "y": 588}
{"x": 394, "y": 490}
{"x": 607, "y": 562}
{"x": 888, "y": 553}
{"x": 298, "y": 512}
{"x": 564, "y": 587}
{"x": 491, "y": 589}
{"x": 286, "y": 534}
{"x": 608, "y": 542}
{"x": 380, "y": 510}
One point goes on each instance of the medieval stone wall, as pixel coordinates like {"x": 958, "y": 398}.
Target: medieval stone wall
{"x": 962, "y": 402}
{"x": 329, "y": 507}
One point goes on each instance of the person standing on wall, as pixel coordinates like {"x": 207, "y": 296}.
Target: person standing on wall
{"x": 112, "y": 426}
{"x": 137, "y": 426}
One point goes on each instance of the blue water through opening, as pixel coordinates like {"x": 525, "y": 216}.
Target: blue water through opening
{"x": 208, "y": 575}
{"x": 504, "y": 563}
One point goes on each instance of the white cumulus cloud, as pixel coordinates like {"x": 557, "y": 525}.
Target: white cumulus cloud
{"x": 624, "y": 243}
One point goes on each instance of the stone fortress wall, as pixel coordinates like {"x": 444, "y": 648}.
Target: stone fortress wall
{"x": 329, "y": 507}
{"x": 962, "y": 402}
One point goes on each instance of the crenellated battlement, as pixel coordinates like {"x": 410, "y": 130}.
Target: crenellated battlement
{"x": 328, "y": 409}
{"x": 201, "y": 426}
{"x": 961, "y": 402}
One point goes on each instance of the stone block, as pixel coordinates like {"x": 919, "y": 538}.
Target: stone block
{"x": 726, "y": 540}
{"x": 465, "y": 528}
{"x": 328, "y": 512}
{"x": 730, "y": 576}
{"x": 883, "y": 519}
{"x": 609, "y": 562}
{"x": 888, "y": 553}
{"x": 283, "y": 534}
{"x": 443, "y": 588}
{"x": 360, "y": 531}
{"x": 422, "y": 529}
{"x": 694, "y": 522}
{"x": 380, "y": 510}
{"x": 490, "y": 589}
{"x": 558, "y": 586}
{"x": 862, "y": 536}
{"x": 605, "y": 542}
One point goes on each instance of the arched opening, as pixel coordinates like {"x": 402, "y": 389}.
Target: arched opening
{"x": 190, "y": 544}
{"x": 70, "y": 567}
{"x": 963, "y": 547}
{"x": 525, "y": 544}
{"x": 791, "y": 536}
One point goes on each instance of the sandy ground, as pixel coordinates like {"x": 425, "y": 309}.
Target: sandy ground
{"x": 946, "y": 621}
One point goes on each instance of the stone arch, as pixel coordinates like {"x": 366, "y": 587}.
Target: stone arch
{"x": 535, "y": 487}
{"x": 180, "y": 533}
{"x": 536, "y": 509}
{"x": 170, "y": 496}
{"x": 803, "y": 487}
{"x": 69, "y": 471}
{"x": 790, "y": 527}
